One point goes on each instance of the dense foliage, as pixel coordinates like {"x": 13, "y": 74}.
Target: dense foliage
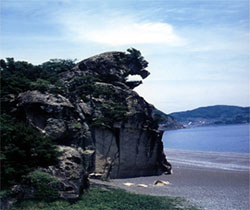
{"x": 22, "y": 150}
{"x": 134, "y": 57}
{"x": 112, "y": 112}
{"x": 45, "y": 185}
{"x": 19, "y": 76}
{"x": 83, "y": 87}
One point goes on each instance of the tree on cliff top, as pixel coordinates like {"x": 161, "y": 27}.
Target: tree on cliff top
{"x": 20, "y": 76}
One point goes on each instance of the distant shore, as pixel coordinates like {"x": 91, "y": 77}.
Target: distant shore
{"x": 206, "y": 187}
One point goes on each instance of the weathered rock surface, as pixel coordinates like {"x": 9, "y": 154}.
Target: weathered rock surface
{"x": 114, "y": 66}
{"x": 70, "y": 172}
{"x": 130, "y": 146}
{"x": 50, "y": 102}
{"x": 55, "y": 116}
{"x": 100, "y": 113}
{"x": 128, "y": 152}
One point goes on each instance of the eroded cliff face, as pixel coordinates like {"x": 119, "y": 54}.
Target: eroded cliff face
{"x": 100, "y": 113}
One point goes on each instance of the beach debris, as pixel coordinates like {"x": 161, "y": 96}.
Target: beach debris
{"x": 128, "y": 184}
{"x": 142, "y": 185}
{"x": 161, "y": 183}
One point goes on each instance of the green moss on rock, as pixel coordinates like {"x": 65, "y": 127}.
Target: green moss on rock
{"x": 45, "y": 185}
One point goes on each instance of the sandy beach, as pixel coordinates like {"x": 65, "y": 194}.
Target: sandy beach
{"x": 207, "y": 187}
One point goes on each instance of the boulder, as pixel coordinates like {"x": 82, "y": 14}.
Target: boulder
{"x": 54, "y": 116}
{"x": 70, "y": 172}
{"x": 49, "y": 101}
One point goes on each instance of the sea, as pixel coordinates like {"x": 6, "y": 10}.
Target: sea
{"x": 222, "y": 147}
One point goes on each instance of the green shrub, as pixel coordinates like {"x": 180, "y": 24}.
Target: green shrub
{"x": 20, "y": 76}
{"x": 58, "y": 65}
{"x": 83, "y": 86}
{"x": 109, "y": 93}
{"x": 77, "y": 125}
{"x": 22, "y": 150}
{"x": 134, "y": 57}
{"x": 4, "y": 193}
{"x": 45, "y": 185}
{"x": 41, "y": 85}
{"x": 112, "y": 112}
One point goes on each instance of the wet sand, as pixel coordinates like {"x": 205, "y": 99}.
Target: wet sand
{"x": 206, "y": 187}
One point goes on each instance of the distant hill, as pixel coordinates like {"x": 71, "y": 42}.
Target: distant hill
{"x": 166, "y": 122}
{"x": 213, "y": 115}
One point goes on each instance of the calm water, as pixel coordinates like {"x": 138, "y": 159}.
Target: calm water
{"x": 230, "y": 138}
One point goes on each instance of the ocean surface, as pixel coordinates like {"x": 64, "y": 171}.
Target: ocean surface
{"x": 221, "y": 147}
{"x": 229, "y": 138}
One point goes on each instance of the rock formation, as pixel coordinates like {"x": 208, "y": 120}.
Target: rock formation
{"x": 99, "y": 112}
{"x": 69, "y": 173}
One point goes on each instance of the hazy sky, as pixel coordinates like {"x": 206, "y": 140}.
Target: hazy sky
{"x": 198, "y": 50}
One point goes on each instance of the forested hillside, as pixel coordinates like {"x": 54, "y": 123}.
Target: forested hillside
{"x": 213, "y": 115}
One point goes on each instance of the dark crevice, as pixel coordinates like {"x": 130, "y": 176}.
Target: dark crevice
{"x": 111, "y": 142}
{"x": 137, "y": 146}
{"x": 117, "y": 140}
{"x": 138, "y": 142}
{"x": 92, "y": 131}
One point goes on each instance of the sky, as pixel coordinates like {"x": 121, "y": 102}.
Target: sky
{"x": 198, "y": 50}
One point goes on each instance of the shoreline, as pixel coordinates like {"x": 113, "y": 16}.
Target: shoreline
{"x": 206, "y": 187}
{"x": 212, "y": 125}
{"x": 231, "y": 161}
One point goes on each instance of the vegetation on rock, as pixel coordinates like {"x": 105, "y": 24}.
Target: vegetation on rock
{"x": 22, "y": 150}
{"x": 45, "y": 185}
{"x": 89, "y": 106}
{"x": 112, "y": 112}
{"x": 20, "y": 76}
{"x": 83, "y": 87}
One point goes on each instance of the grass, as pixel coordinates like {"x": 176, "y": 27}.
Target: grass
{"x": 98, "y": 198}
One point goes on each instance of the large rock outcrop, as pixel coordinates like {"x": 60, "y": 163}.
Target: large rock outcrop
{"x": 100, "y": 113}
{"x": 70, "y": 173}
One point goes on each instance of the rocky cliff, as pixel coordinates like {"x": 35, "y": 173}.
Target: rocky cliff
{"x": 111, "y": 130}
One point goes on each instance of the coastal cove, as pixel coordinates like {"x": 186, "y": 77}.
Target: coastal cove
{"x": 124, "y": 105}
